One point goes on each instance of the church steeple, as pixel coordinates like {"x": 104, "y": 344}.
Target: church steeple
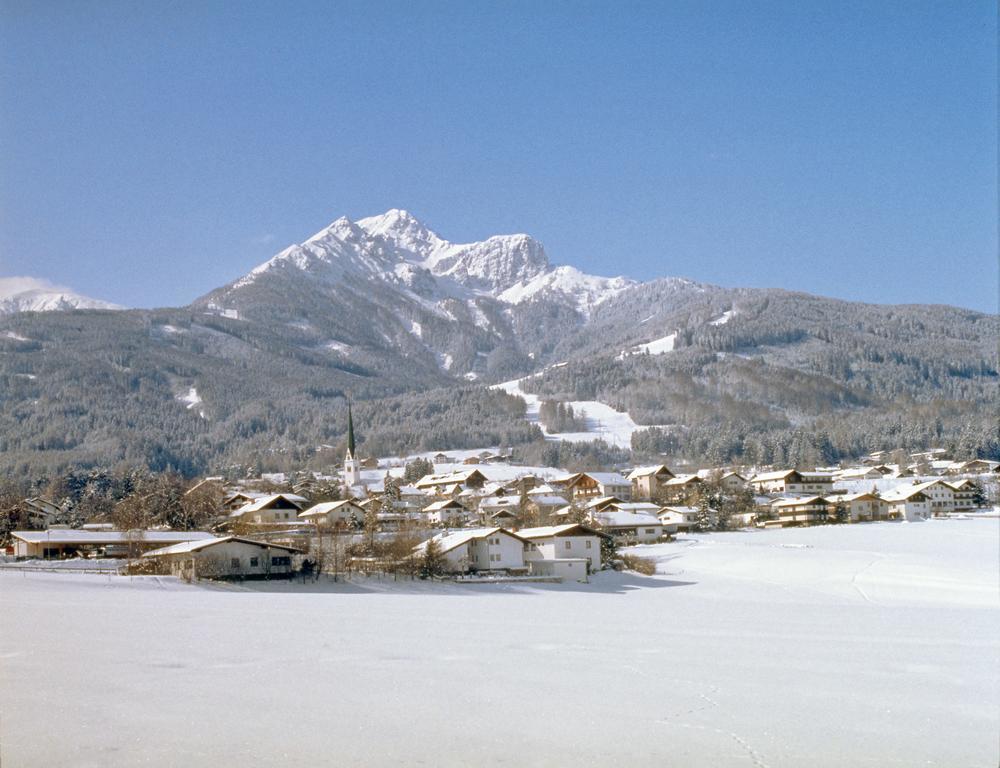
{"x": 350, "y": 432}
{"x": 352, "y": 467}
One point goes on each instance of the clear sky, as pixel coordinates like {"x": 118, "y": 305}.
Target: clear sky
{"x": 152, "y": 151}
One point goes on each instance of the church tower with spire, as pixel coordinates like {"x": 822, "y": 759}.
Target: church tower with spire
{"x": 352, "y": 466}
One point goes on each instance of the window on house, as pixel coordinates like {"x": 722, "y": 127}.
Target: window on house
{"x": 569, "y": 544}
{"x": 254, "y": 562}
{"x": 235, "y": 562}
{"x": 281, "y": 561}
{"x": 589, "y": 543}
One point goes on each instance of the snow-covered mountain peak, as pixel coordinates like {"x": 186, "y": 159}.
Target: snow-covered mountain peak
{"x": 494, "y": 264}
{"x": 341, "y": 229}
{"x": 31, "y": 294}
{"x": 397, "y": 248}
{"x": 404, "y": 231}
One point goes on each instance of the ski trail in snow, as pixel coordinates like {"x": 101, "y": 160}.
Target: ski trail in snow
{"x": 854, "y": 578}
{"x": 602, "y": 421}
{"x": 755, "y": 757}
{"x": 754, "y": 754}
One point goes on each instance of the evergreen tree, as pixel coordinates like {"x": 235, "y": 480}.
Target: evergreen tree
{"x": 703, "y": 520}
{"x": 432, "y": 561}
{"x": 841, "y": 513}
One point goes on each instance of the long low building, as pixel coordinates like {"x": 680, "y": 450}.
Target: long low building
{"x": 225, "y": 558}
{"x": 69, "y": 542}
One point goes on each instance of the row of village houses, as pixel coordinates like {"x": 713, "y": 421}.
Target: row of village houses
{"x": 571, "y": 551}
{"x": 470, "y": 497}
{"x": 641, "y": 507}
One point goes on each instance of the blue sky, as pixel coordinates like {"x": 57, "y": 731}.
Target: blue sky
{"x": 150, "y": 152}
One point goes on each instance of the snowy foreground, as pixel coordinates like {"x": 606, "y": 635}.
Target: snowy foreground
{"x": 843, "y": 645}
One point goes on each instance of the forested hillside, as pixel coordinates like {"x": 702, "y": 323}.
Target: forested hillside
{"x": 414, "y": 329}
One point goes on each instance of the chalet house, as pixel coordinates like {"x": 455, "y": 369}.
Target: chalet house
{"x": 543, "y": 490}
{"x": 974, "y": 467}
{"x": 276, "y": 509}
{"x": 965, "y": 492}
{"x": 804, "y": 510}
{"x": 791, "y": 481}
{"x": 504, "y": 518}
{"x": 682, "y": 487}
{"x": 226, "y": 558}
{"x": 560, "y": 542}
{"x": 41, "y": 512}
{"x": 861, "y": 507}
{"x": 909, "y": 503}
{"x": 480, "y": 549}
{"x": 648, "y": 481}
{"x": 940, "y": 494}
{"x": 452, "y": 483}
{"x": 442, "y": 458}
{"x": 635, "y": 507}
{"x": 233, "y": 501}
{"x": 858, "y": 473}
{"x": 589, "y": 485}
{"x": 523, "y": 484}
{"x": 412, "y": 493}
{"x": 543, "y": 506}
{"x": 446, "y": 512}
{"x": 495, "y": 504}
{"x": 629, "y": 527}
{"x": 59, "y": 543}
{"x": 678, "y": 519}
{"x": 601, "y": 503}
{"x": 331, "y": 513}
{"x": 733, "y": 482}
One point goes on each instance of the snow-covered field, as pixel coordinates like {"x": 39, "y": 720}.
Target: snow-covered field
{"x": 864, "y": 645}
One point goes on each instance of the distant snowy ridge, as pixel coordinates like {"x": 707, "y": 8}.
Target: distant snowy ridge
{"x": 32, "y": 294}
{"x": 399, "y": 249}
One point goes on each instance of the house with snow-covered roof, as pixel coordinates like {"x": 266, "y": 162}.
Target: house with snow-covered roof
{"x": 601, "y": 503}
{"x": 967, "y": 494}
{"x": 907, "y": 503}
{"x": 330, "y": 513}
{"x": 974, "y": 467}
{"x": 647, "y": 482}
{"x": 635, "y": 507}
{"x": 58, "y": 543}
{"x": 940, "y": 494}
{"x": 682, "y": 487}
{"x": 451, "y": 483}
{"x": 588, "y": 485}
{"x": 446, "y": 512}
{"x": 479, "y": 549}
{"x": 792, "y": 481}
{"x": 678, "y": 518}
{"x": 559, "y": 542}
{"x": 225, "y": 558}
{"x": 40, "y": 512}
{"x": 544, "y": 506}
{"x": 860, "y": 507}
{"x": 858, "y": 473}
{"x": 274, "y": 509}
{"x": 797, "y": 511}
{"x": 629, "y": 526}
